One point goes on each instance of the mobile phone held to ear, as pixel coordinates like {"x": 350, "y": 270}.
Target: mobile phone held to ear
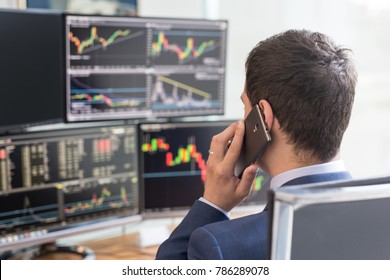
{"x": 256, "y": 139}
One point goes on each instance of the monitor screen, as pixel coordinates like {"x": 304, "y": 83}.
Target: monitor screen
{"x": 173, "y": 161}
{"x": 54, "y": 180}
{"x": 128, "y": 67}
{"x": 31, "y": 69}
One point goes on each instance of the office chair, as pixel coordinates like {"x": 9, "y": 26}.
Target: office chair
{"x": 333, "y": 221}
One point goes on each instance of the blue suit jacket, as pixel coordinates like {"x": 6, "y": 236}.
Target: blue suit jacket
{"x": 206, "y": 233}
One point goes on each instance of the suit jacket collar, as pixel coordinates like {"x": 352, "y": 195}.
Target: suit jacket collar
{"x": 322, "y": 168}
{"x": 318, "y": 178}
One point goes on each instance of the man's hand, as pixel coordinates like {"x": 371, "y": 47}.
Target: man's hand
{"x": 222, "y": 188}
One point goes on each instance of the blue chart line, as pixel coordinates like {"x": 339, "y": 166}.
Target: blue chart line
{"x": 30, "y": 216}
{"x": 112, "y": 97}
{"x": 28, "y": 210}
{"x": 107, "y": 90}
{"x": 104, "y": 206}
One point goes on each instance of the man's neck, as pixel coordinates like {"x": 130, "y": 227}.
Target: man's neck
{"x": 281, "y": 156}
{"x": 285, "y": 159}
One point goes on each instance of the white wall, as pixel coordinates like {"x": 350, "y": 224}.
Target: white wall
{"x": 12, "y": 4}
{"x": 361, "y": 25}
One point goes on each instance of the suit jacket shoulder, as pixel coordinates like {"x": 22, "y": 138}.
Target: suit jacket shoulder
{"x": 247, "y": 237}
{"x": 242, "y": 238}
{"x": 176, "y": 246}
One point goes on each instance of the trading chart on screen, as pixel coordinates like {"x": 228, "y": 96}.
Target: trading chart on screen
{"x": 53, "y": 179}
{"x": 123, "y": 68}
{"x": 173, "y": 164}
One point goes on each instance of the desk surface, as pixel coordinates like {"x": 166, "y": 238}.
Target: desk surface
{"x": 123, "y": 247}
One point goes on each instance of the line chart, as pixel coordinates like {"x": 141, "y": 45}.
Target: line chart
{"x": 99, "y": 93}
{"x": 186, "y": 48}
{"x": 88, "y": 44}
{"x": 184, "y": 91}
{"x": 105, "y": 200}
{"x": 182, "y": 53}
{"x": 108, "y": 46}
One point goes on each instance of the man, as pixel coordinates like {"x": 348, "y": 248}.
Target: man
{"x": 304, "y": 84}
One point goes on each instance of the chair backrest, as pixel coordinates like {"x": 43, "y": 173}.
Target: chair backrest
{"x": 338, "y": 220}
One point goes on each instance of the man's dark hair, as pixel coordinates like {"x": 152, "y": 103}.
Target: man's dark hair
{"x": 310, "y": 83}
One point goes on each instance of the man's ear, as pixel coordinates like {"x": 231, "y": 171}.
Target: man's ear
{"x": 268, "y": 114}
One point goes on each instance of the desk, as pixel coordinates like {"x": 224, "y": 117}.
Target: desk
{"x": 123, "y": 247}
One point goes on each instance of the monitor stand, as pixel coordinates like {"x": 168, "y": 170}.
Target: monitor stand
{"x": 50, "y": 251}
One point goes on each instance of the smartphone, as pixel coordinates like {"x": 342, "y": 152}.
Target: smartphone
{"x": 256, "y": 139}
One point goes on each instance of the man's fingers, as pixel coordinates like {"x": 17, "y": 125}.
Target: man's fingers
{"x": 248, "y": 176}
{"x": 234, "y": 150}
{"x": 220, "y": 141}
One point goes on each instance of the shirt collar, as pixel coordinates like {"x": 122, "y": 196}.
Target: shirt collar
{"x": 328, "y": 167}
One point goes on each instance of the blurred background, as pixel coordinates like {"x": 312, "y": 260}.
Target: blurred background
{"x": 361, "y": 25}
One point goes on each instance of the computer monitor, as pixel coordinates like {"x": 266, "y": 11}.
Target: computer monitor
{"x": 31, "y": 69}
{"x": 173, "y": 166}
{"x": 117, "y": 7}
{"x": 67, "y": 181}
{"x": 131, "y": 68}
{"x": 258, "y": 195}
{"x": 339, "y": 220}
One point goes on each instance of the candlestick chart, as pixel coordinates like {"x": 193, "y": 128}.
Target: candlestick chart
{"x": 98, "y": 197}
{"x": 259, "y": 190}
{"x": 95, "y": 94}
{"x": 189, "y": 47}
{"x": 130, "y": 68}
{"x": 174, "y": 162}
{"x": 52, "y": 179}
{"x": 106, "y": 45}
